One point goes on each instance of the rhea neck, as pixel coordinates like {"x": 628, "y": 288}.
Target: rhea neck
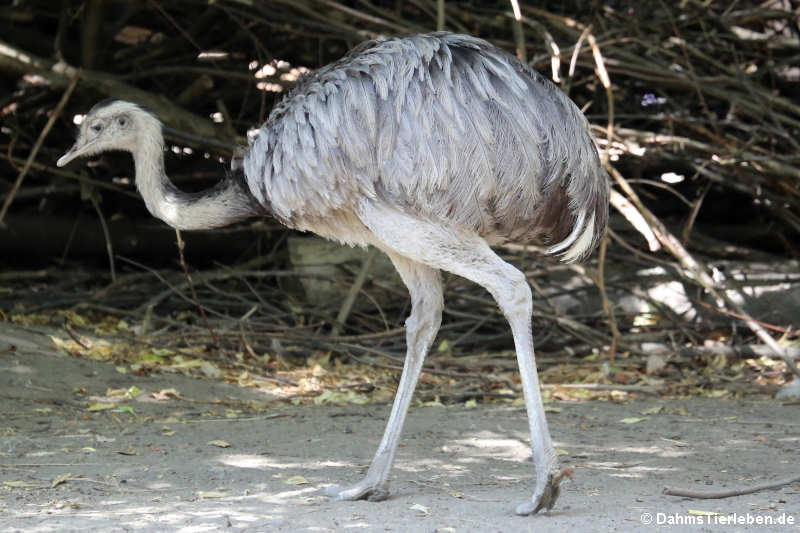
{"x": 224, "y": 203}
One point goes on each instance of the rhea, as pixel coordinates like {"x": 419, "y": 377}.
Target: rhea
{"x": 431, "y": 148}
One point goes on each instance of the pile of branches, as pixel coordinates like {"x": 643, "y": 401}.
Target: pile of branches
{"x": 694, "y": 104}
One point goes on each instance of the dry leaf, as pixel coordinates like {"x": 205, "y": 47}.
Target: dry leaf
{"x": 165, "y": 394}
{"x": 129, "y": 451}
{"x": 63, "y": 478}
{"x": 101, "y": 406}
{"x": 423, "y": 511}
{"x": 218, "y": 443}
{"x": 633, "y": 420}
{"x": 210, "y": 494}
{"x": 296, "y": 480}
{"x": 18, "y": 484}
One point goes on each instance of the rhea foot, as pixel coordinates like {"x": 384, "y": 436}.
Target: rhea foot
{"x": 547, "y": 498}
{"x": 363, "y": 490}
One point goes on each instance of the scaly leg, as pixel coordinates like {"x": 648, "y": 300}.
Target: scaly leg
{"x": 468, "y": 255}
{"x": 425, "y": 287}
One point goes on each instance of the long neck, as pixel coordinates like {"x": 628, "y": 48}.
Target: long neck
{"x": 224, "y": 203}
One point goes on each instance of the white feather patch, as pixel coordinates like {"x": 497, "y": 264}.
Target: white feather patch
{"x": 582, "y": 245}
{"x": 571, "y": 238}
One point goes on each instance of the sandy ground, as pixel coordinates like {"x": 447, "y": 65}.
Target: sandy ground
{"x": 64, "y": 469}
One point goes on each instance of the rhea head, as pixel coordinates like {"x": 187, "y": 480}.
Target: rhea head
{"x": 120, "y": 125}
{"x": 113, "y": 125}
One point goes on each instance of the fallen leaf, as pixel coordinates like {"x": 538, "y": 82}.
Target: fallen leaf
{"x": 165, "y": 394}
{"x": 18, "y": 484}
{"x": 457, "y": 494}
{"x": 210, "y": 494}
{"x": 101, "y": 406}
{"x": 129, "y": 451}
{"x": 633, "y": 420}
{"x": 341, "y": 398}
{"x": 423, "y": 511}
{"x": 296, "y": 480}
{"x": 219, "y": 443}
{"x": 433, "y": 403}
{"x": 63, "y": 478}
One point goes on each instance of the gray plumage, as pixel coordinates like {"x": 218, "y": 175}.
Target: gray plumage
{"x": 429, "y": 147}
{"x": 446, "y": 127}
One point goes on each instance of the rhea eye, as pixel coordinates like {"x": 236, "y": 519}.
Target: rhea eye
{"x": 122, "y": 121}
{"x": 97, "y": 127}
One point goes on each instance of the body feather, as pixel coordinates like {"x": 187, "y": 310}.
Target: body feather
{"x": 445, "y": 127}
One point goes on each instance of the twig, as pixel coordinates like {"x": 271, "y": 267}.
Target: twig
{"x": 59, "y": 75}
{"x": 745, "y": 318}
{"x": 626, "y": 209}
{"x": 644, "y": 389}
{"x": 35, "y": 150}
{"x": 552, "y": 46}
{"x": 61, "y": 173}
{"x": 519, "y": 34}
{"x": 82, "y": 342}
{"x": 602, "y": 73}
{"x": 740, "y": 351}
{"x": 347, "y": 304}
{"x": 106, "y": 234}
{"x": 191, "y": 289}
{"x": 715, "y": 495}
{"x": 697, "y": 271}
{"x": 689, "y": 224}
{"x": 608, "y": 309}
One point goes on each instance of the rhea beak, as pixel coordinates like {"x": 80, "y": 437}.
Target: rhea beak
{"x": 77, "y": 150}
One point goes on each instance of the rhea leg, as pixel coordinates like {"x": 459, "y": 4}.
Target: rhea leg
{"x": 425, "y": 287}
{"x": 468, "y": 255}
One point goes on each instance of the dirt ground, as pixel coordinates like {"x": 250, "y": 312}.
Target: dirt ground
{"x": 157, "y": 467}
